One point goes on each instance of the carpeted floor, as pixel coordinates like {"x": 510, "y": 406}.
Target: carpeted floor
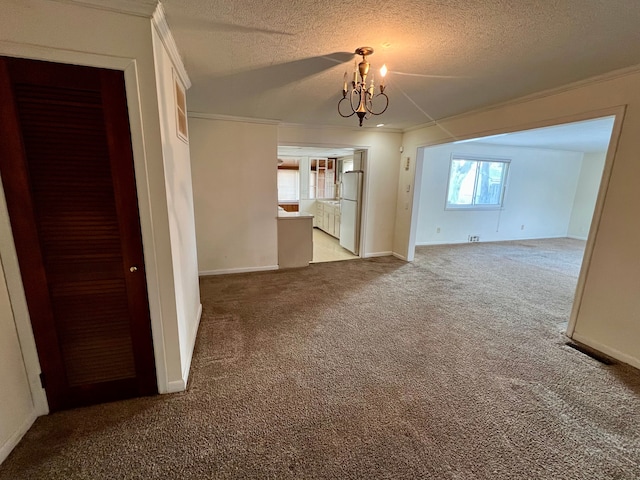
{"x": 451, "y": 367}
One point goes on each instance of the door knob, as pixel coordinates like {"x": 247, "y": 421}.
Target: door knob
{"x": 133, "y": 269}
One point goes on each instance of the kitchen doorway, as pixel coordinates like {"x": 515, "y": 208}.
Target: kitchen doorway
{"x": 327, "y": 183}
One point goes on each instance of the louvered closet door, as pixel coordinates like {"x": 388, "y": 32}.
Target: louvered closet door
{"x": 67, "y": 171}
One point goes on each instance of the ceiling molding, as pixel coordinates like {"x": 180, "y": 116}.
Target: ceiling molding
{"x": 605, "y": 77}
{"x": 350, "y": 127}
{"x": 159, "y": 21}
{"x": 138, "y": 8}
{"x": 231, "y": 118}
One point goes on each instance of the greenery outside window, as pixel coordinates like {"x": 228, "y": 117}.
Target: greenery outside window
{"x": 476, "y": 183}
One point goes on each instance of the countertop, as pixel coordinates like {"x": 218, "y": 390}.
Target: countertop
{"x": 293, "y": 215}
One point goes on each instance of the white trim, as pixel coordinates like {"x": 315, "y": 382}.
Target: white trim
{"x": 619, "y": 113}
{"x": 605, "y": 77}
{"x": 414, "y": 202}
{"x": 159, "y": 21}
{"x": 63, "y": 55}
{"x": 16, "y": 289}
{"x": 138, "y": 8}
{"x": 194, "y": 334}
{"x": 14, "y": 439}
{"x": 364, "y": 200}
{"x": 227, "y": 271}
{"x": 351, "y": 126}
{"x": 401, "y": 257}
{"x": 518, "y": 239}
{"x": 232, "y": 118}
{"x": 17, "y": 300}
{"x": 378, "y": 254}
{"x": 611, "y": 352}
{"x": 576, "y": 237}
{"x": 145, "y": 207}
{"x": 176, "y": 386}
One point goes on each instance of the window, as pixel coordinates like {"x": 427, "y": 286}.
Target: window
{"x": 288, "y": 185}
{"x": 476, "y": 183}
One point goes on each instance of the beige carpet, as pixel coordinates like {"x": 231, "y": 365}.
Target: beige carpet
{"x": 451, "y": 367}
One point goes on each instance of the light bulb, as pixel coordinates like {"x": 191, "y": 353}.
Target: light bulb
{"x": 383, "y": 70}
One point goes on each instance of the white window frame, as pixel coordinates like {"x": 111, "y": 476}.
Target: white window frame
{"x": 295, "y": 187}
{"x": 478, "y": 159}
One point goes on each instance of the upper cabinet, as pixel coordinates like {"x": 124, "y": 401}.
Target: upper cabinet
{"x": 322, "y": 178}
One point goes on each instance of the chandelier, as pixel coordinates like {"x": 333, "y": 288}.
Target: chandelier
{"x": 361, "y": 98}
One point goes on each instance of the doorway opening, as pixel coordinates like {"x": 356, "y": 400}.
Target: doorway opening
{"x": 539, "y": 185}
{"x": 327, "y": 183}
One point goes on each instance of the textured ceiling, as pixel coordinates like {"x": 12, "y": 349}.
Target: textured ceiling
{"x": 285, "y": 60}
{"x": 588, "y": 136}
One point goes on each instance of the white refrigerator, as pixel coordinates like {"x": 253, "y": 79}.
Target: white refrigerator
{"x": 350, "y": 208}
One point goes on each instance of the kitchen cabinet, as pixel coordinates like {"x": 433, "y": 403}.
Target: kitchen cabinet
{"x": 327, "y": 224}
{"x": 318, "y": 220}
{"x": 295, "y": 239}
{"x": 327, "y": 217}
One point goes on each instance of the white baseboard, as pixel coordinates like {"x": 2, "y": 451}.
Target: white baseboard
{"x": 11, "y": 443}
{"x": 461, "y": 242}
{"x": 176, "y": 386}
{"x": 194, "y": 334}
{"x": 227, "y": 271}
{"x": 377, "y": 254}
{"x": 445, "y": 242}
{"x": 397, "y": 255}
{"x": 611, "y": 352}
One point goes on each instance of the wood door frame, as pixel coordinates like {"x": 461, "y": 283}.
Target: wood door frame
{"x": 144, "y": 185}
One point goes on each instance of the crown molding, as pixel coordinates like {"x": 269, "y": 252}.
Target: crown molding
{"x": 232, "y": 118}
{"x": 350, "y": 127}
{"x": 605, "y": 77}
{"x": 138, "y": 8}
{"x": 159, "y": 21}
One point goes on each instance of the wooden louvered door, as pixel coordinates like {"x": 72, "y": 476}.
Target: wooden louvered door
{"x": 67, "y": 171}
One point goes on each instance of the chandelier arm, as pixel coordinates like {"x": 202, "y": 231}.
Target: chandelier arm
{"x": 341, "y": 114}
{"x": 370, "y": 110}
{"x": 355, "y": 94}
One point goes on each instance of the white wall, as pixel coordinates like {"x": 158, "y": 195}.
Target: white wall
{"x": 233, "y": 166}
{"x": 70, "y": 33}
{"x": 540, "y": 190}
{"x": 177, "y": 167}
{"x": 17, "y": 411}
{"x": 381, "y": 174}
{"x": 586, "y": 195}
{"x": 235, "y": 189}
{"x": 605, "y": 315}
